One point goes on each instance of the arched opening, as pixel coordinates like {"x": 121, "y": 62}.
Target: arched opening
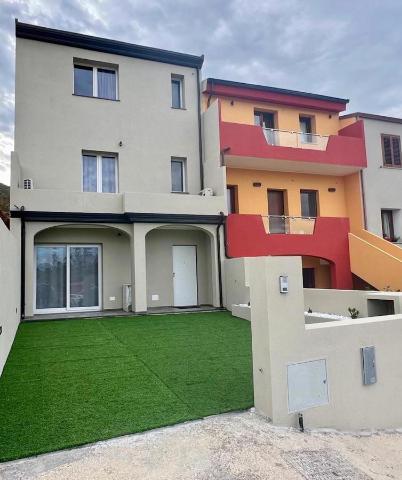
{"x": 316, "y": 272}
{"x": 80, "y": 268}
{"x": 179, "y": 266}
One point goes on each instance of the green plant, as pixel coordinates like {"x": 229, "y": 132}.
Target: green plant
{"x": 353, "y": 312}
{"x": 309, "y": 310}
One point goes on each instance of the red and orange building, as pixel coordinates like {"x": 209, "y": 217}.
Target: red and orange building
{"x": 293, "y": 177}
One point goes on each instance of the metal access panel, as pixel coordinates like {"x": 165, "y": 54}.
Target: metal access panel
{"x": 368, "y": 365}
{"x": 307, "y": 385}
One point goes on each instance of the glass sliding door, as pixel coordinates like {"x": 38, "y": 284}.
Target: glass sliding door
{"x": 84, "y": 277}
{"x": 51, "y": 274}
{"x": 67, "y": 278}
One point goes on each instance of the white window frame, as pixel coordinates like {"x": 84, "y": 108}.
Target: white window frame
{"x": 180, "y": 80}
{"x": 183, "y": 162}
{"x": 95, "y": 78}
{"x": 67, "y": 307}
{"x": 99, "y": 157}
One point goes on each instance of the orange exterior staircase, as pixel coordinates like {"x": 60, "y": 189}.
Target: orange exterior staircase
{"x": 375, "y": 260}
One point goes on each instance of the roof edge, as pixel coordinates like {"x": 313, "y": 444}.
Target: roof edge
{"x": 99, "y": 44}
{"x": 283, "y": 91}
{"x": 372, "y": 116}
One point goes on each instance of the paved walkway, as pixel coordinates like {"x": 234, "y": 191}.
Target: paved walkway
{"x": 237, "y": 446}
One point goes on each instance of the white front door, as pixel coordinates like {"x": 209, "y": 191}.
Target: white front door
{"x": 185, "y": 275}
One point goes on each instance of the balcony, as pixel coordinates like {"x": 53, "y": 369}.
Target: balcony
{"x": 254, "y": 147}
{"x": 322, "y": 237}
{"x": 44, "y": 200}
{"x": 280, "y": 224}
{"x": 285, "y": 138}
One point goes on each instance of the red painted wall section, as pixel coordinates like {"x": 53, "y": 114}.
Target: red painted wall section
{"x": 274, "y": 97}
{"x": 249, "y": 141}
{"x": 246, "y": 237}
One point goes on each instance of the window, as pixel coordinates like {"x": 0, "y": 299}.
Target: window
{"x": 264, "y": 119}
{"x": 99, "y": 173}
{"x": 276, "y": 211}
{"x": 391, "y": 150}
{"x": 306, "y": 129}
{"x": 92, "y": 81}
{"x": 178, "y": 174}
{"x": 308, "y": 200}
{"x": 387, "y": 221}
{"x": 231, "y": 196}
{"x": 177, "y": 92}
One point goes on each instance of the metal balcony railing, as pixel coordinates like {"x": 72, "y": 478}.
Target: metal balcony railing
{"x": 289, "y": 224}
{"x": 285, "y": 138}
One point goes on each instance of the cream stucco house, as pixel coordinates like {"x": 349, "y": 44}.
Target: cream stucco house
{"x": 111, "y": 182}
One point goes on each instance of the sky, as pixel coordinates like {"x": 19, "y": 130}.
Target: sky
{"x": 343, "y": 48}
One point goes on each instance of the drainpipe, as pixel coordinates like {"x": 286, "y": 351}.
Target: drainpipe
{"x": 200, "y": 131}
{"x": 218, "y": 247}
{"x": 363, "y": 200}
{"x": 22, "y": 307}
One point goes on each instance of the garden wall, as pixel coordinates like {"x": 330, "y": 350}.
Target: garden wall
{"x": 9, "y": 290}
{"x": 318, "y": 367}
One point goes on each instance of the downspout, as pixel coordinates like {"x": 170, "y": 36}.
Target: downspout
{"x": 218, "y": 248}
{"x": 363, "y": 200}
{"x": 200, "y": 131}
{"x": 362, "y": 179}
{"x": 22, "y": 307}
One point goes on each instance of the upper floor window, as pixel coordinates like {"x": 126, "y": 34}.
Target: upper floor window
{"x": 231, "y": 197}
{"x": 178, "y": 172}
{"x": 177, "y": 91}
{"x": 308, "y": 200}
{"x": 99, "y": 172}
{"x": 264, "y": 119}
{"x": 306, "y": 129}
{"x": 391, "y": 150}
{"x": 267, "y": 121}
{"x": 95, "y": 81}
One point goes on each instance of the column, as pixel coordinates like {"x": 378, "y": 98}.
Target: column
{"x": 138, "y": 269}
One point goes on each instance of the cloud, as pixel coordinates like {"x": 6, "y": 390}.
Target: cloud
{"x": 343, "y": 48}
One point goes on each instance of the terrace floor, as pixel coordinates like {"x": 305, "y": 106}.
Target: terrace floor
{"x": 72, "y": 382}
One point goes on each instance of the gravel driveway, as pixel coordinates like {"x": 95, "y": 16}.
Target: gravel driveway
{"x": 236, "y": 446}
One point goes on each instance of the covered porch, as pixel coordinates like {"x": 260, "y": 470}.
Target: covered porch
{"x": 76, "y": 270}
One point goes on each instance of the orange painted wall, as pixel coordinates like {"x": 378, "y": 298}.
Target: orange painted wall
{"x": 287, "y": 118}
{"x": 252, "y": 199}
{"x": 354, "y": 202}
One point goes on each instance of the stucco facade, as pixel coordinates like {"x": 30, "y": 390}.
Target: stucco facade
{"x": 381, "y": 183}
{"x": 132, "y": 232}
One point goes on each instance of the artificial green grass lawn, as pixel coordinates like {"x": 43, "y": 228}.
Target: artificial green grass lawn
{"x": 71, "y": 382}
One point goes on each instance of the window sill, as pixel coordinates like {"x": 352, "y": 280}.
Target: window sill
{"x": 178, "y": 108}
{"x": 181, "y": 193}
{"x": 97, "y": 98}
{"x": 392, "y": 167}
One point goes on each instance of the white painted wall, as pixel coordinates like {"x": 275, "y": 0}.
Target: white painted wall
{"x": 9, "y": 289}
{"x": 280, "y": 338}
{"x": 236, "y": 284}
{"x": 214, "y": 173}
{"x": 382, "y": 186}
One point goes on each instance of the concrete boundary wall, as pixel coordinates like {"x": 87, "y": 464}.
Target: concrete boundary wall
{"x": 9, "y": 290}
{"x": 281, "y": 339}
{"x": 338, "y": 301}
{"x": 236, "y": 282}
